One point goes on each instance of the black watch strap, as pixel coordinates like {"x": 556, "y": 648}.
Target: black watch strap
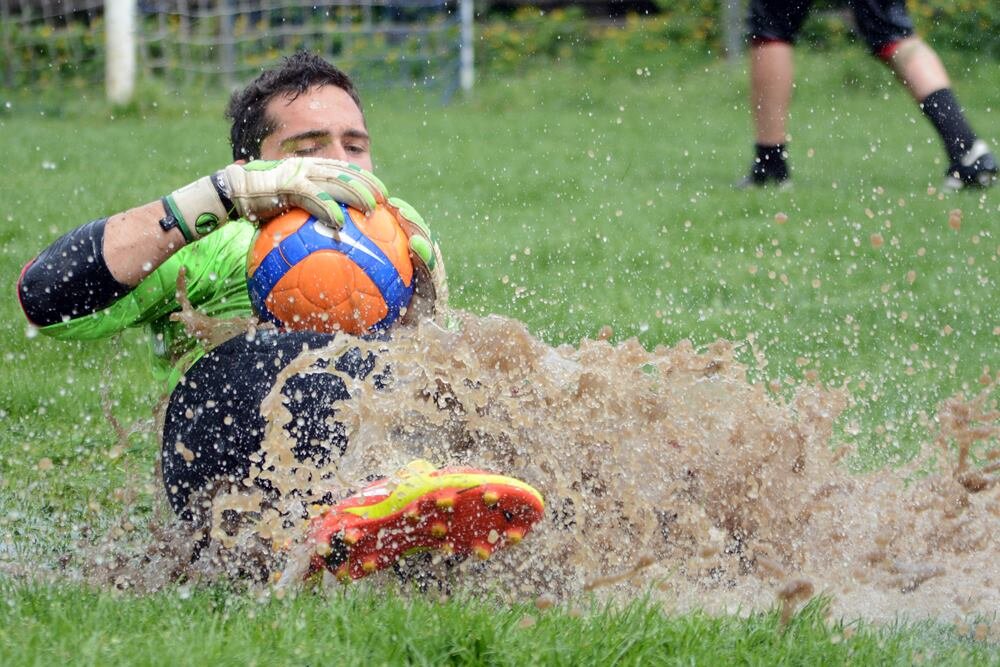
{"x": 171, "y": 218}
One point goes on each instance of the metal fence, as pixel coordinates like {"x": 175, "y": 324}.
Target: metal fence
{"x": 225, "y": 42}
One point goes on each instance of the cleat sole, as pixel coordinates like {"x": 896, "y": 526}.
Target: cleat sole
{"x": 476, "y": 520}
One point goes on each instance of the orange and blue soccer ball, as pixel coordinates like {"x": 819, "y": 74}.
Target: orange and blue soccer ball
{"x": 303, "y": 276}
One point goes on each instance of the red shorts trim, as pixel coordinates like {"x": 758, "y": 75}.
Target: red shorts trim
{"x": 888, "y": 50}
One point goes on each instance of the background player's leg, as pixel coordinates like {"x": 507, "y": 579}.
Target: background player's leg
{"x": 888, "y": 29}
{"x": 771, "y": 76}
{"x": 920, "y": 69}
{"x": 772, "y": 28}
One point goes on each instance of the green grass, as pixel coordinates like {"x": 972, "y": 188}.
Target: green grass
{"x": 569, "y": 198}
{"x": 46, "y": 626}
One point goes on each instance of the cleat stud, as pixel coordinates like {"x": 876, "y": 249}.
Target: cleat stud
{"x": 369, "y": 565}
{"x": 351, "y": 537}
{"x": 482, "y": 551}
{"x": 412, "y": 515}
{"x": 439, "y": 529}
{"x": 445, "y": 502}
{"x": 514, "y": 535}
{"x": 491, "y": 498}
{"x": 343, "y": 574}
{"x": 447, "y": 548}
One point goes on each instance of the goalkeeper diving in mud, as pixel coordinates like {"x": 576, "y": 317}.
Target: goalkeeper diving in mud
{"x": 299, "y": 141}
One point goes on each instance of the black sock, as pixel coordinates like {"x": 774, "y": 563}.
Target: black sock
{"x": 946, "y": 115}
{"x": 770, "y": 163}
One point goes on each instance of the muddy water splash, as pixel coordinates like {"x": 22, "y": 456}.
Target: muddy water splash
{"x": 665, "y": 470}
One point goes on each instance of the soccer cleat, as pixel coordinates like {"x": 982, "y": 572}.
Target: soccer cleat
{"x": 457, "y": 511}
{"x": 977, "y": 168}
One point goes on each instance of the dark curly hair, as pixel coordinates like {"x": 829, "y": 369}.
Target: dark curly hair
{"x": 296, "y": 74}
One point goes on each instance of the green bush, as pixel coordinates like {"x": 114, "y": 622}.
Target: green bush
{"x": 508, "y": 44}
{"x": 530, "y": 37}
{"x": 42, "y": 54}
{"x": 966, "y": 25}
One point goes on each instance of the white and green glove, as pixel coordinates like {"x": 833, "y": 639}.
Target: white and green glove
{"x": 263, "y": 189}
{"x": 430, "y": 293}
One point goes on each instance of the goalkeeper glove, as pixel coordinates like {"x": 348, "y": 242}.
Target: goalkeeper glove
{"x": 431, "y": 287}
{"x": 263, "y": 189}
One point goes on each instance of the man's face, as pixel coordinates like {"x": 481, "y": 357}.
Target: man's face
{"x": 322, "y": 122}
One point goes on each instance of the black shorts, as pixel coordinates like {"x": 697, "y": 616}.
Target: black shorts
{"x": 213, "y": 423}
{"x": 880, "y": 22}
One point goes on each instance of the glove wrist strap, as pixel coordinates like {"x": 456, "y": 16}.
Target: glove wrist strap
{"x": 197, "y": 208}
{"x": 225, "y": 196}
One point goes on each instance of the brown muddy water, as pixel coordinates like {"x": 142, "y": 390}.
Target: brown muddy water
{"x": 663, "y": 471}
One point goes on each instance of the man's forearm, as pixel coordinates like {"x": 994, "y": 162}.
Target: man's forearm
{"x": 135, "y": 243}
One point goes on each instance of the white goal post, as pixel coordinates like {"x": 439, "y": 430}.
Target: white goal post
{"x": 121, "y": 49}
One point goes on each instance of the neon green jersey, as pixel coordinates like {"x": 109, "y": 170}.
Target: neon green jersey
{"x": 216, "y": 285}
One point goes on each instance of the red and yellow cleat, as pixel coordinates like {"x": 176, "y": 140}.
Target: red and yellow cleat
{"x": 460, "y": 511}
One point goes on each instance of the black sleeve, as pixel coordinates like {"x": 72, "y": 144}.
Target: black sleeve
{"x": 70, "y": 278}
